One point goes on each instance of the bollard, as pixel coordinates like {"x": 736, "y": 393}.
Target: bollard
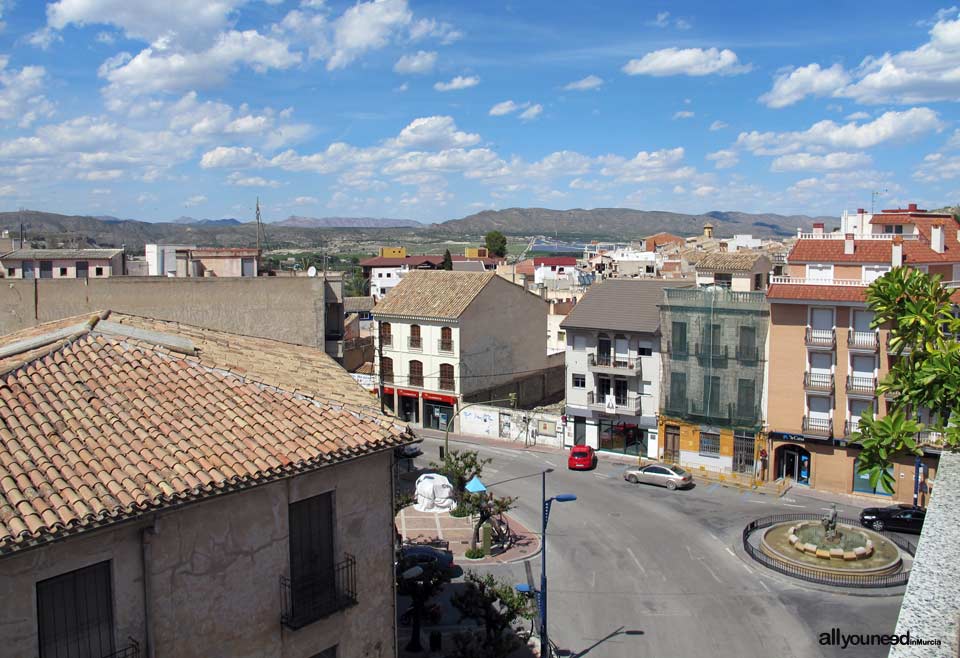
{"x": 487, "y": 538}
{"x": 441, "y": 453}
{"x": 436, "y": 641}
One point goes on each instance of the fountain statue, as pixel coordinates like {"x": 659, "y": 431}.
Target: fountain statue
{"x": 830, "y": 533}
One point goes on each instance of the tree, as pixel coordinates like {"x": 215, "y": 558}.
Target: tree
{"x": 924, "y": 373}
{"x": 496, "y": 243}
{"x": 356, "y": 284}
{"x": 447, "y": 260}
{"x": 420, "y": 590}
{"x": 496, "y": 607}
{"x": 461, "y": 466}
{"x": 487, "y": 507}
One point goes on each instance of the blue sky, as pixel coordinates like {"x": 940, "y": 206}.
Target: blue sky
{"x": 435, "y": 110}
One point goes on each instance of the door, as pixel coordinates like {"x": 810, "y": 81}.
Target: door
{"x": 821, "y": 367}
{"x": 311, "y": 554}
{"x": 820, "y": 272}
{"x": 621, "y": 350}
{"x": 28, "y": 271}
{"x": 671, "y": 444}
{"x": 819, "y": 413}
{"x": 743, "y": 445}
{"x": 653, "y": 475}
{"x": 620, "y": 392}
{"x": 788, "y": 465}
{"x": 82, "y": 269}
{"x": 862, "y": 320}
{"x": 857, "y": 407}
{"x": 46, "y": 269}
{"x": 248, "y": 267}
{"x": 861, "y": 379}
{"x": 821, "y": 321}
{"x": 579, "y": 430}
{"x": 603, "y": 351}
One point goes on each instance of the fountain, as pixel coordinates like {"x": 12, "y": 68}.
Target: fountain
{"x": 829, "y": 547}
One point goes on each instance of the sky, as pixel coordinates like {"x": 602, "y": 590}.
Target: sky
{"x": 436, "y": 110}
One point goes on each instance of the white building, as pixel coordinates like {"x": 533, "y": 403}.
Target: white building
{"x": 162, "y": 258}
{"x": 445, "y": 336}
{"x": 613, "y": 366}
{"x": 740, "y": 271}
{"x": 554, "y": 268}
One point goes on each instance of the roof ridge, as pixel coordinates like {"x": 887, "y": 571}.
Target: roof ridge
{"x": 56, "y": 338}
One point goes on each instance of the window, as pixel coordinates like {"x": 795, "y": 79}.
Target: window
{"x": 379, "y": 275}
{"x": 723, "y": 279}
{"x": 861, "y": 481}
{"x": 644, "y": 351}
{"x": 747, "y": 347}
{"x": 679, "y": 338}
{"x": 386, "y": 335}
{"x": 746, "y": 399}
{"x": 446, "y": 339}
{"x": 711, "y": 394}
{"x": 620, "y": 391}
{"x": 416, "y": 342}
{"x": 579, "y": 343}
{"x": 893, "y": 228}
{"x": 62, "y": 271}
{"x": 758, "y": 281}
{"x": 711, "y": 339}
{"x": 678, "y": 391}
{"x": 11, "y": 271}
{"x": 312, "y": 567}
{"x": 820, "y": 271}
{"x": 562, "y": 336}
{"x": 709, "y": 444}
{"x": 46, "y": 269}
{"x": 579, "y": 381}
{"x": 75, "y": 613}
{"x": 416, "y": 373}
{"x": 386, "y": 369}
{"x": 446, "y": 377}
{"x": 98, "y": 271}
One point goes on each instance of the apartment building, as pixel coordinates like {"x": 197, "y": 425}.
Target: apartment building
{"x": 62, "y": 263}
{"x": 826, "y": 360}
{"x": 447, "y": 338}
{"x": 392, "y": 263}
{"x": 191, "y": 261}
{"x": 740, "y": 271}
{"x": 175, "y": 491}
{"x": 613, "y": 366}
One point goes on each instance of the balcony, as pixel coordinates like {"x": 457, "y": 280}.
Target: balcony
{"x": 447, "y": 384}
{"x": 712, "y": 352}
{"x": 863, "y": 341}
{"x": 629, "y": 404}
{"x": 386, "y": 340}
{"x": 414, "y": 343}
{"x": 818, "y": 426}
{"x": 678, "y": 349}
{"x": 930, "y": 438}
{"x": 132, "y": 650}
{"x": 813, "y": 281}
{"x": 676, "y": 405}
{"x": 714, "y": 411}
{"x": 818, "y": 381}
{"x": 747, "y": 354}
{"x": 851, "y": 426}
{"x": 616, "y": 364}
{"x": 307, "y": 601}
{"x": 445, "y": 346}
{"x": 862, "y": 385}
{"x": 890, "y": 350}
{"x": 820, "y": 338}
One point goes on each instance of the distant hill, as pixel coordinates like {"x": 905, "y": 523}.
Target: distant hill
{"x": 625, "y": 223}
{"x": 230, "y": 221}
{"x": 346, "y": 222}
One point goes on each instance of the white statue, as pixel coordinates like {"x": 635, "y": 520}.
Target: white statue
{"x": 434, "y": 494}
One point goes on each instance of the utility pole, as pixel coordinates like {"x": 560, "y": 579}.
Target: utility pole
{"x": 259, "y": 225}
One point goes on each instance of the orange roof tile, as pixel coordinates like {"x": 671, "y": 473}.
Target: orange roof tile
{"x": 118, "y": 420}
{"x": 816, "y": 293}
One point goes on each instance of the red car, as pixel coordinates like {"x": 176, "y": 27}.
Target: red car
{"x": 582, "y": 458}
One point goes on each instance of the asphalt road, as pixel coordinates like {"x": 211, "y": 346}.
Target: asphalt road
{"x": 636, "y": 570}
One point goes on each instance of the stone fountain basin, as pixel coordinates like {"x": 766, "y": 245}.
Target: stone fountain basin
{"x": 867, "y": 552}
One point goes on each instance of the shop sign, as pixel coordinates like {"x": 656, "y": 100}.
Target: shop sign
{"x": 783, "y": 436}
{"x": 408, "y": 394}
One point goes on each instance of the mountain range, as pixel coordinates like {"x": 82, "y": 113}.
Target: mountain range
{"x": 311, "y": 232}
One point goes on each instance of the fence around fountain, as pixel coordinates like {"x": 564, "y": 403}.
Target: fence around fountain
{"x": 812, "y": 575}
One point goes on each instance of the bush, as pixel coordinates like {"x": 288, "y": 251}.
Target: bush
{"x": 474, "y": 553}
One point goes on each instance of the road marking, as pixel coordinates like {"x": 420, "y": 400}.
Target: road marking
{"x": 637, "y": 562}
{"x": 731, "y": 552}
{"x": 789, "y": 505}
{"x": 763, "y": 585}
{"x": 707, "y": 567}
{"x": 758, "y": 502}
{"x": 749, "y": 570}
{"x": 715, "y": 537}
{"x": 601, "y": 475}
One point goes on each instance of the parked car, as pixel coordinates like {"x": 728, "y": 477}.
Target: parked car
{"x": 902, "y": 518}
{"x": 670, "y": 476}
{"x": 410, "y": 450}
{"x": 582, "y": 458}
{"x": 427, "y": 557}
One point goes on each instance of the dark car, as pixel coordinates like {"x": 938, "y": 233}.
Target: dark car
{"x": 902, "y": 518}
{"x": 427, "y": 557}
{"x": 410, "y": 450}
{"x": 582, "y": 458}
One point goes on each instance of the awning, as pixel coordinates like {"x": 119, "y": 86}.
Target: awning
{"x": 408, "y": 394}
{"x": 388, "y": 390}
{"x": 436, "y": 397}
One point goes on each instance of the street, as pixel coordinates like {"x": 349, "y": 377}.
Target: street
{"x": 636, "y": 570}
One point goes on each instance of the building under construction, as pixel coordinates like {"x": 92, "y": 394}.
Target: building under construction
{"x": 714, "y": 355}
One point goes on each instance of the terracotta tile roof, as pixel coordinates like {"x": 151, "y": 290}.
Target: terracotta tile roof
{"x": 735, "y": 261}
{"x": 419, "y": 261}
{"x": 439, "y": 294}
{"x": 659, "y": 239}
{"x": 831, "y": 251}
{"x": 555, "y": 260}
{"x": 817, "y": 293}
{"x": 524, "y": 267}
{"x": 119, "y": 420}
{"x": 357, "y": 304}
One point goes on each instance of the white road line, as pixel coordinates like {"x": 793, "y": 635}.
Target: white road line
{"x": 758, "y": 502}
{"x": 763, "y": 585}
{"x": 637, "y": 562}
{"x": 749, "y": 570}
{"x": 715, "y": 537}
{"x": 789, "y": 505}
{"x": 436, "y": 517}
{"x": 731, "y": 552}
{"x": 715, "y": 577}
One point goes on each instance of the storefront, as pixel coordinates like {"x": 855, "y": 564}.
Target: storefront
{"x": 437, "y": 410}
{"x": 793, "y": 462}
{"x": 387, "y": 396}
{"x": 409, "y": 402}
{"x": 626, "y": 438}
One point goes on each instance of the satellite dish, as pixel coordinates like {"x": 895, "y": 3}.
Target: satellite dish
{"x": 312, "y": 272}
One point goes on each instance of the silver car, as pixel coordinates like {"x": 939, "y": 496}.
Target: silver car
{"x": 670, "y": 476}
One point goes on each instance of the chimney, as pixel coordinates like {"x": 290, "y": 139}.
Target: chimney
{"x": 896, "y": 252}
{"x": 912, "y": 207}
{"x": 848, "y": 244}
{"x": 818, "y": 228}
{"x": 936, "y": 237}
{"x": 860, "y": 211}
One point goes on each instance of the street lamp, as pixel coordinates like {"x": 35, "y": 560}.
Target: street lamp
{"x": 547, "y": 503}
{"x": 512, "y": 399}
{"x": 413, "y": 575}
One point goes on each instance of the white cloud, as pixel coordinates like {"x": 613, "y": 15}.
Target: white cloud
{"x": 647, "y": 166}
{"x": 857, "y": 116}
{"x": 459, "y": 82}
{"x": 366, "y": 26}
{"x": 705, "y": 190}
{"x": 828, "y": 162}
{"x": 684, "y": 114}
{"x": 724, "y": 159}
{"x": 159, "y": 68}
{"x": 305, "y": 201}
{"x": 436, "y": 132}
{"x": 502, "y": 108}
{"x": 663, "y": 20}
{"x": 584, "y": 84}
{"x": 686, "y": 61}
{"x": 7, "y": 190}
{"x": 249, "y": 125}
{"x": 718, "y": 125}
{"x": 230, "y": 156}
{"x": 240, "y": 180}
{"x": 891, "y": 126}
{"x": 100, "y": 174}
{"x": 531, "y": 112}
{"x": 420, "y": 62}
{"x": 195, "y": 200}
{"x": 106, "y": 38}
{"x": 811, "y": 80}
{"x": 20, "y": 97}
{"x": 43, "y": 38}
{"x": 430, "y": 27}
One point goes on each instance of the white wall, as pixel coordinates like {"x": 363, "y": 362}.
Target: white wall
{"x": 430, "y": 355}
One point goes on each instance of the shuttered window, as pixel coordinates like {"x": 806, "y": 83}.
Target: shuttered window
{"x": 311, "y": 554}
{"x": 75, "y": 614}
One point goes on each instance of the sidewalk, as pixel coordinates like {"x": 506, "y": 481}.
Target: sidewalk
{"x": 424, "y": 527}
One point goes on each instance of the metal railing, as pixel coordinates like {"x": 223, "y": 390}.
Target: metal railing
{"x": 386, "y": 340}
{"x": 719, "y": 294}
{"x": 445, "y": 345}
{"x": 813, "y": 281}
{"x": 820, "y": 337}
{"x": 678, "y": 349}
{"x": 851, "y": 426}
{"x": 447, "y": 384}
{"x": 818, "y": 381}
{"x": 818, "y": 426}
{"x": 306, "y": 601}
{"x": 837, "y": 235}
{"x": 863, "y": 340}
{"x": 814, "y": 575}
{"x": 712, "y": 351}
{"x": 862, "y": 384}
{"x": 624, "y": 404}
{"x": 415, "y": 342}
{"x": 748, "y": 354}
{"x": 132, "y": 650}
{"x": 597, "y": 359}
{"x": 930, "y": 437}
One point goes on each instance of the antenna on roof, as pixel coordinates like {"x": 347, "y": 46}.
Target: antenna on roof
{"x": 873, "y": 199}
{"x": 259, "y": 225}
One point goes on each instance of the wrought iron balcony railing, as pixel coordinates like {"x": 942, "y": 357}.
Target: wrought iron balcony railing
{"x": 820, "y": 337}
{"x": 818, "y": 381}
{"x": 863, "y": 340}
{"x": 861, "y": 384}
{"x": 415, "y": 343}
{"x": 748, "y": 354}
{"x": 620, "y": 362}
{"x": 712, "y": 351}
{"x": 818, "y": 426}
{"x": 445, "y": 346}
{"x": 320, "y": 596}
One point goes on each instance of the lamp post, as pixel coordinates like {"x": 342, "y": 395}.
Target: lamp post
{"x": 413, "y": 575}
{"x": 547, "y": 503}
{"x": 512, "y": 399}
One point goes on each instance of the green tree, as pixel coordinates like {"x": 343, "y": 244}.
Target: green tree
{"x": 496, "y": 607}
{"x": 461, "y": 466}
{"x": 356, "y": 285}
{"x": 496, "y": 243}
{"x": 447, "y": 260}
{"x": 924, "y": 371}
